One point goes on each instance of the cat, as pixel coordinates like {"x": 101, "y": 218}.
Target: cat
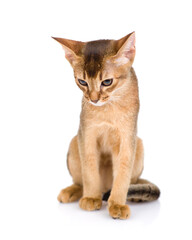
{"x": 105, "y": 159}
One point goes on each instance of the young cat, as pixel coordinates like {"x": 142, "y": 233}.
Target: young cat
{"x": 106, "y": 154}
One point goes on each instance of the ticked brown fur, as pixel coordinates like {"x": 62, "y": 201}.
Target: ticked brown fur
{"x": 106, "y": 154}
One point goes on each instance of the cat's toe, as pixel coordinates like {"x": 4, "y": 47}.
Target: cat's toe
{"x": 118, "y": 211}
{"x": 90, "y": 204}
{"x": 70, "y": 194}
{"x": 64, "y": 196}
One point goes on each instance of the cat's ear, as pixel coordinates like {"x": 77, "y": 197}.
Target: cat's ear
{"x": 72, "y": 49}
{"x": 125, "y": 50}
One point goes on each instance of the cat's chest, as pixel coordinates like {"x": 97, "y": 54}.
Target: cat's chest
{"x": 105, "y": 119}
{"x": 106, "y": 127}
{"x": 108, "y": 138}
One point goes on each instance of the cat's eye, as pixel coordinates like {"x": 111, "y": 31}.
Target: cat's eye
{"x": 107, "y": 82}
{"x": 82, "y": 82}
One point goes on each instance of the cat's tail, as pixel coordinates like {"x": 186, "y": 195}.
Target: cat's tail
{"x": 142, "y": 191}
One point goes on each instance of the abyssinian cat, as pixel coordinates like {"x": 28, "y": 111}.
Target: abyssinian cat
{"x": 105, "y": 159}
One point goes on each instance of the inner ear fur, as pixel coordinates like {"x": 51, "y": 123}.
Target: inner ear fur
{"x": 125, "y": 49}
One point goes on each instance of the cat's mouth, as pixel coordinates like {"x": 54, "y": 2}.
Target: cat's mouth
{"x": 98, "y": 104}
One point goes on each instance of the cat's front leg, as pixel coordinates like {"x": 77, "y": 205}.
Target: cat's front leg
{"x": 91, "y": 199}
{"x": 122, "y": 170}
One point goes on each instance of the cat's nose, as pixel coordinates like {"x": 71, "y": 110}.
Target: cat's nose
{"x": 95, "y": 101}
{"x": 94, "y": 96}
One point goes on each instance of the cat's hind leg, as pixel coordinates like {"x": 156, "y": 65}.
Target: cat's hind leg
{"x": 141, "y": 190}
{"x": 75, "y": 191}
{"x": 70, "y": 194}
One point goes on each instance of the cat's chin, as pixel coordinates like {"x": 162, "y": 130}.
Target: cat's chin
{"x": 98, "y": 104}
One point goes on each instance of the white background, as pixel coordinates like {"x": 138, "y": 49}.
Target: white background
{"x": 40, "y": 106}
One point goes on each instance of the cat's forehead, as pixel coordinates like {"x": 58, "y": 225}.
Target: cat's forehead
{"x": 94, "y": 54}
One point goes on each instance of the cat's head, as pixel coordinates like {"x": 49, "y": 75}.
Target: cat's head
{"x": 100, "y": 67}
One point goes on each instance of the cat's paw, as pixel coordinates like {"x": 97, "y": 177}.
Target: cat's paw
{"x": 118, "y": 211}
{"x": 90, "y": 204}
{"x": 70, "y": 194}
